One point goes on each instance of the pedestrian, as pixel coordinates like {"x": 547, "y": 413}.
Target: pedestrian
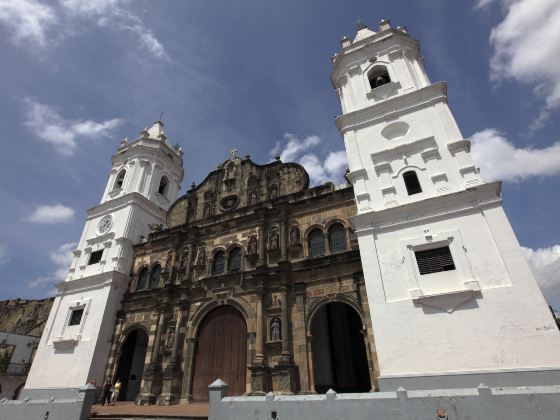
{"x": 107, "y": 393}
{"x": 116, "y": 390}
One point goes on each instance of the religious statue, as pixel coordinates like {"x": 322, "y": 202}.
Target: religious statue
{"x": 201, "y": 258}
{"x": 253, "y": 197}
{"x": 275, "y": 334}
{"x": 252, "y": 246}
{"x": 275, "y": 301}
{"x": 294, "y": 235}
{"x": 273, "y": 240}
{"x": 170, "y": 338}
{"x": 273, "y": 192}
{"x": 168, "y": 262}
{"x": 184, "y": 257}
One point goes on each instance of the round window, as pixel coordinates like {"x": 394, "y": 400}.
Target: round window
{"x": 229, "y": 202}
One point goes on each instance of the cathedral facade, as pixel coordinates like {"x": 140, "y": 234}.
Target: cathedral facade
{"x": 256, "y": 280}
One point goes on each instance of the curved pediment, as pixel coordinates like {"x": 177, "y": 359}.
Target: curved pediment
{"x": 237, "y": 183}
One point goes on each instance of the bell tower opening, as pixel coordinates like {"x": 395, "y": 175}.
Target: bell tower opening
{"x": 339, "y": 352}
{"x": 378, "y": 76}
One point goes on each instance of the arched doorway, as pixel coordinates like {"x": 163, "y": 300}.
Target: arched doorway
{"x": 339, "y": 351}
{"x": 131, "y": 364}
{"x": 221, "y": 352}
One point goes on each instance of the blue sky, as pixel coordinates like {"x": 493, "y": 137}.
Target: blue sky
{"x": 79, "y": 75}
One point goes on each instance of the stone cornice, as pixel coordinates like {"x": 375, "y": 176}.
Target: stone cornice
{"x": 473, "y": 198}
{"x": 124, "y": 201}
{"x": 393, "y": 108}
{"x": 107, "y": 278}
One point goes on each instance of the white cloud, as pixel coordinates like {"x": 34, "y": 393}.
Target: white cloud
{"x": 525, "y": 48}
{"x": 61, "y": 257}
{"x": 4, "y": 253}
{"x": 33, "y": 20}
{"x": 305, "y": 151}
{"x": 51, "y": 215}
{"x": 500, "y": 160}
{"x": 62, "y": 133}
{"x": 113, "y": 14}
{"x": 545, "y": 263}
{"x": 27, "y": 20}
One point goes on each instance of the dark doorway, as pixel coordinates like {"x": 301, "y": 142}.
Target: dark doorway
{"x": 221, "y": 352}
{"x": 131, "y": 364}
{"x": 339, "y": 351}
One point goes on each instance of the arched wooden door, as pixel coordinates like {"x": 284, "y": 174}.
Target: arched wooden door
{"x": 221, "y": 352}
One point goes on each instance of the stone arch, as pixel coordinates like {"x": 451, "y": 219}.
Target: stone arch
{"x": 131, "y": 360}
{"x": 324, "y": 300}
{"x": 239, "y": 304}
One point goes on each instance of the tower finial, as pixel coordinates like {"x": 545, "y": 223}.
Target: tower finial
{"x": 360, "y": 25}
{"x": 161, "y": 117}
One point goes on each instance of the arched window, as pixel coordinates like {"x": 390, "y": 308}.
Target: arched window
{"x": 120, "y": 180}
{"x": 155, "y": 277}
{"x": 234, "y": 262}
{"x": 412, "y": 183}
{"x": 337, "y": 238}
{"x": 163, "y": 183}
{"x": 142, "y": 279}
{"x": 218, "y": 263}
{"x": 316, "y": 243}
{"x": 378, "y": 76}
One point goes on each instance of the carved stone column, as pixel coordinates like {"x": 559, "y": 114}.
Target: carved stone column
{"x": 189, "y": 262}
{"x": 171, "y": 387}
{"x": 283, "y": 241}
{"x": 152, "y": 380}
{"x": 327, "y": 244}
{"x": 286, "y": 357}
{"x": 259, "y": 345}
{"x": 260, "y": 383}
{"x": 261, "y": 240}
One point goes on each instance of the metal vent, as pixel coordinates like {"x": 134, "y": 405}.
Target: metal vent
{"x": 434, "y": 260}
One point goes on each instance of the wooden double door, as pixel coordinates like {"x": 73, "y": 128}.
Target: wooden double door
{"x": 221, "y": 352}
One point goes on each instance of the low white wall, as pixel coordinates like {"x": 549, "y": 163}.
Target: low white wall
{"x": 482, "y": 403}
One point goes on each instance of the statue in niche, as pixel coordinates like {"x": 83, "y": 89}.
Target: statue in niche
{"x": 207, "y": 209}
{"x": 253, "y": 197}
{"x": 168, "y": 262}
{"x": 275, "y": 301}
{"x": 184, "y": 257}
{"x": 275, "y": 334}
{"x": 231, "y": 170}
{"x": 273, "y": 192}
{"x": 273, "y": 240}
{"x": 170, "y": 338}
{"x": 252, "y": 245}
{"x": 201, "y": 258}
{"x": 294, "y": 235}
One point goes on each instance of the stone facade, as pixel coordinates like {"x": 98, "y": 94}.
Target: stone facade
{"x": 24, "y": 316}
{"x": 242, "y": 239}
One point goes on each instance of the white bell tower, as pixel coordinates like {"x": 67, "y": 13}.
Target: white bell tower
{"x": 144, "y": 181}
{"x": 453, "y": 302}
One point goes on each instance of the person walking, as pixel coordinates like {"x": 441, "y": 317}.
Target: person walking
{"x": 116, "y": 390}
{"x": 107, "y": 393}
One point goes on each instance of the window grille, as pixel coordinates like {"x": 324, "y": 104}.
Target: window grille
{"x": 234, "y": 262}
{"x": 76, "y": 317}
{"x": 155, "y": 277}
{"x": 434, "y": 260}
{"x": 95, "y": 257}
{"x": 316, "y": 243}
{"x": 218, "y": 263}
{"x": 142, "y": 279}
{"x": 337, "y": 238}
{"x": 412, "y": 183}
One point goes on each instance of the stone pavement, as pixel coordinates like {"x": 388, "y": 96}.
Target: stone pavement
{"x": 194, "y": 411}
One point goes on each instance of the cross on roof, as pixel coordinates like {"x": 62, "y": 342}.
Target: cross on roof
{"x": 360, "y": 24}
{"x": 233, "y": 153}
